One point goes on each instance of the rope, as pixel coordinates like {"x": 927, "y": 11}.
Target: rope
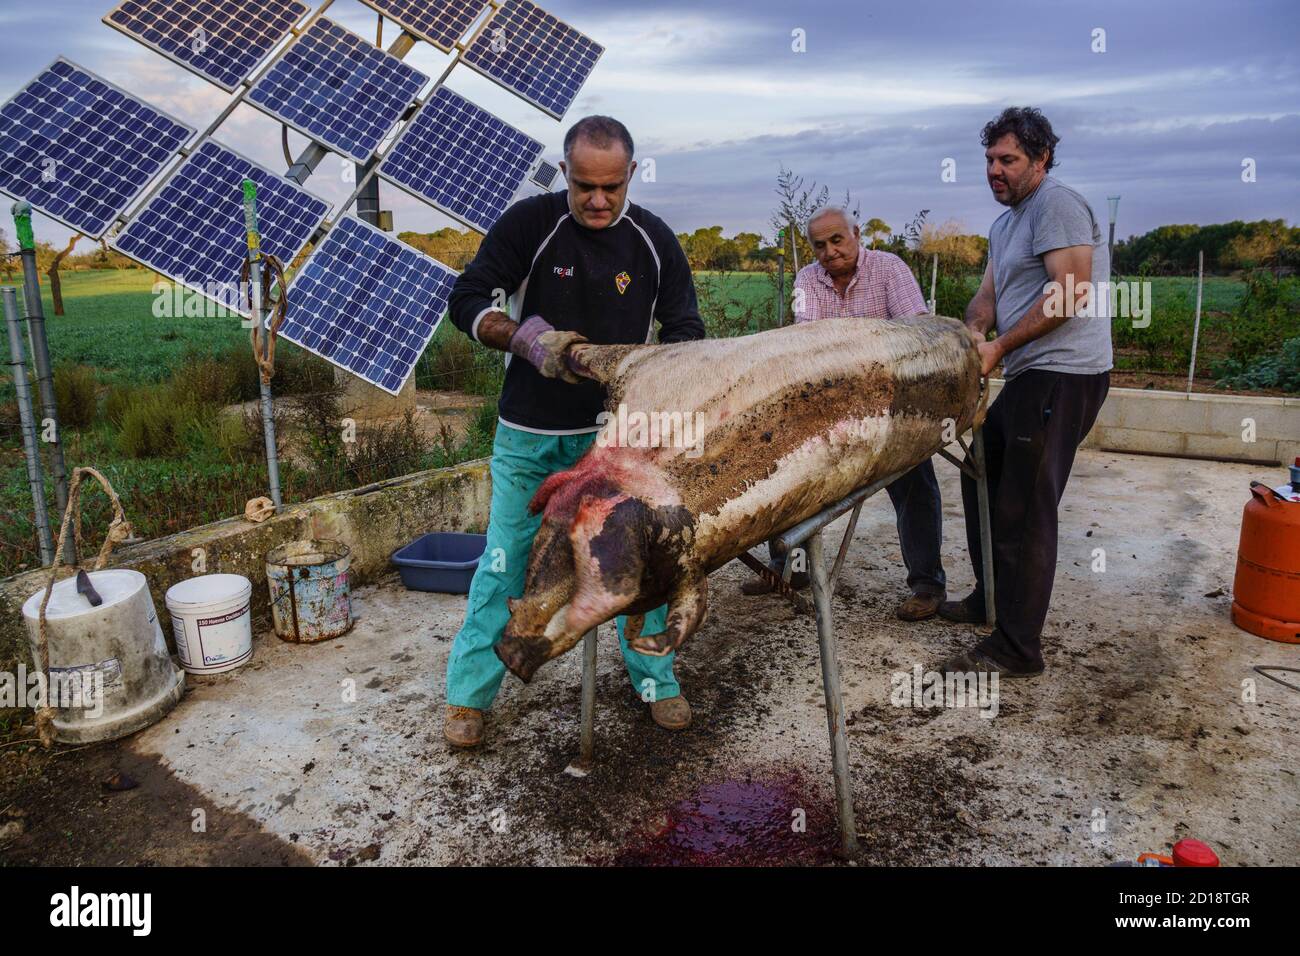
{"x": 118, "y": 530}
{"x": 272, "y": 307}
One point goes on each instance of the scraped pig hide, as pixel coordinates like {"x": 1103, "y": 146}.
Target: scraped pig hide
{"x": 710, "y": 447}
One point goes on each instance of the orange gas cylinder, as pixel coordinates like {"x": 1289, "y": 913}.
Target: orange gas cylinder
{"x": 1266, "y": 592}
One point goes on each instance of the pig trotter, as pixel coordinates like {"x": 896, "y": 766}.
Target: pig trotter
{"x": 521, "y": 656}
{"x": 685, "y": 614}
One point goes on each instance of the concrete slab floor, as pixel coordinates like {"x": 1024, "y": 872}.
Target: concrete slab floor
{"x": 1137, "y": 734}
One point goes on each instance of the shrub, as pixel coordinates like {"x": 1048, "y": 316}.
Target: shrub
{"x": 157, "y": 423}
{"x": 1280, "y": 370}
{"x": 453, "y": 362}
{"x": 209, "y": 378}
{"x": 297, "y": 372}
{"x": 120, "y": 398}
{"x": 75, "y": 395}
{"x": 1263, "y": 319}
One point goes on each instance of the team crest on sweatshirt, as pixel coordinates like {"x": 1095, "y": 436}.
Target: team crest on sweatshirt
{"x": 622, "y": 280}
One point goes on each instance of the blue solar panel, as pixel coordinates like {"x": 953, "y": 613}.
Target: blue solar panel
{"x": 79, "y": 149}
{"x": 367, "y": 303}
{"x": 193, "y": 230}
{"x": 461, "y": 158}
{"x": 220, "y": 40}
{"x": 338, "y": 89}
{"x": 441, "y": 22}
{"x": 541, "y": 58}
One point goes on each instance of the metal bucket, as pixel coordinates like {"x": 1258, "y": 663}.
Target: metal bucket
{"x": 311, "y": 596}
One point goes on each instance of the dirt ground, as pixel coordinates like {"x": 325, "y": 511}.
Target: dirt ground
{"x": 1144, "y": 728}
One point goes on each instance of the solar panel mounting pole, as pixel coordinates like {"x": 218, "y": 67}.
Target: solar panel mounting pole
{"x": 22, "y": 212}
{"x": 255, "y": 316}
{"x": 19, "y": 371}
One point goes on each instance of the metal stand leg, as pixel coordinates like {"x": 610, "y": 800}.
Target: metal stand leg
{"x": 834, "y": 705}
{"x": 986, "y": 524}
{"x": 582, "y": 766}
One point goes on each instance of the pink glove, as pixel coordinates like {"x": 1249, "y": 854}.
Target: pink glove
{"x": 537, "y": 342}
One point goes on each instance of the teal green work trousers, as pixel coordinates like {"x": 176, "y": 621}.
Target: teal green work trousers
{"x": 521, "y": 461}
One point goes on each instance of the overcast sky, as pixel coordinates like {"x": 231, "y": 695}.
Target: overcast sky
{"x": 716, "y": 94}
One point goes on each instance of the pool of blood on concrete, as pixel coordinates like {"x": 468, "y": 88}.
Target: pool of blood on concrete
{"x": 748, "y": 822}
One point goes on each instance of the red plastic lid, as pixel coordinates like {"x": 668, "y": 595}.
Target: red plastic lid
{"x": 1194, "y": 853}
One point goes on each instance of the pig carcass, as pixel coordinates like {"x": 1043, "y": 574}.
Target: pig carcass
{"x": 712, "y": 446}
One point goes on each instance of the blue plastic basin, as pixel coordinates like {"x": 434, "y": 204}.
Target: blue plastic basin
{"x": 443, "y": 561}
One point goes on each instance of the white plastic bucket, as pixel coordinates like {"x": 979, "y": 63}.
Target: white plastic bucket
{"x": 113, "y": 657}
{"x": 212, "y": 622}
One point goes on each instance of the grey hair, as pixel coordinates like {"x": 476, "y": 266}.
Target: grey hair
{"x": 844, "y": 211}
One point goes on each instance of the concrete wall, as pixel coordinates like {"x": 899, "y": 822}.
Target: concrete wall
{"x": 373, "y": 521}
{"x": 1147, "y": 421}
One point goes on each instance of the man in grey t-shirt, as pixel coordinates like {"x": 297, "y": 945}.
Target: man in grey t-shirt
{"x": 1053, "y": 341}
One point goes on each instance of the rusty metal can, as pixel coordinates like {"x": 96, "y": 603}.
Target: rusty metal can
{"x": 311, "y": 597}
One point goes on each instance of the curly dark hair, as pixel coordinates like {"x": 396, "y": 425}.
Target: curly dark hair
{"x": 1030, "y": 127}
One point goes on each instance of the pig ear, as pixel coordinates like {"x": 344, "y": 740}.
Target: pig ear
{"x": 686, "y": 610}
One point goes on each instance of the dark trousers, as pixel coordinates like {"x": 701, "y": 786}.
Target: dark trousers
{"x": 1031, "y": 434}
{"x": 920, "y": 530}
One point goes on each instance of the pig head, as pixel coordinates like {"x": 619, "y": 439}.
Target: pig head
{"x": 614, "y": 540}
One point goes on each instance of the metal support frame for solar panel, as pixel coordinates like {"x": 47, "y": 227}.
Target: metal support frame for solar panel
{"x": 160, "y": 144}
{"x": 195, "y": 33}
{"x": 289, "y": 91}
{"x": 439, "y": 22}
{"x": 221, "y": 237}
{"x": 479, "y": 56}
{"x": 411, "y": 304}
{"x": 442, "y": 126}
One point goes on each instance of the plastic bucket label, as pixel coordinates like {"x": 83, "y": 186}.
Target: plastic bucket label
{"x": 221, "y": 640}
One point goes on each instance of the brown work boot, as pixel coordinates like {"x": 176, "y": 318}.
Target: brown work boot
{"x": 919, "y": 606}
{"x": 463, "y": 726}
{"x": 674, "y": 713}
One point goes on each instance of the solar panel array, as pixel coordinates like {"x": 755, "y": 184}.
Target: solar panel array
{"x": 440, "y": 22}
{"x": 193, "y": 230}
{"x": 367, "y": 303}
{"x": 461, "y": 158}
{"x": 339, "y": 89}
{"x": 536, "y": 55}
{"x": 221, "y": 40}
{"x": 79, "y": 149}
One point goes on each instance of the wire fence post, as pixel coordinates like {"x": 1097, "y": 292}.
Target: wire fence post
{"x": 255, "y": 314}
{"x": 780, "y": 284}
{"x": 19, "y": 370}
{"x": 934, "y": 285}
{"x": 35, "y": 315}
{"x": 1196, "y": 327}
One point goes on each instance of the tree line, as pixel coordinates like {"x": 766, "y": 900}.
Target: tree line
{"x": 1228, "y": 246}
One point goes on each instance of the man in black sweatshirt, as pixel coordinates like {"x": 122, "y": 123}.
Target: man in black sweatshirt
{"x": 584, "y": 265}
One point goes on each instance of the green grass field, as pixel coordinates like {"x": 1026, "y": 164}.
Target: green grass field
{"x": 110, "y": 323}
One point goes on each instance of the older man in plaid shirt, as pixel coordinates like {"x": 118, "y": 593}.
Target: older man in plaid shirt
{"x": 848, "y": 281}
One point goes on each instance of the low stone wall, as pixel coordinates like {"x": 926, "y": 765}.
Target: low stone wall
{"x": 373, "y": 521}
{"x": 1146, "y": 421}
